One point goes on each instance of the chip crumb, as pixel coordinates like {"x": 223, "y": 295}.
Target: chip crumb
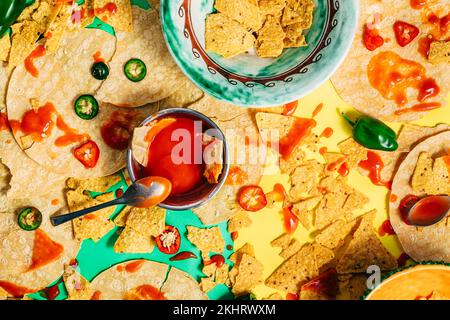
{"x": 439, "y": 52}
{"x": 239, "y": 221}
{"x": 249, "y": 275}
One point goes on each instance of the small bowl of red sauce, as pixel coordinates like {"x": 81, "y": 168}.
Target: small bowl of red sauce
{"x": 187, "y": 148}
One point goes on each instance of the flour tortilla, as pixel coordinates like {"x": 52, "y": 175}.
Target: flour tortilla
{"x": 427, "y": 243}
{"x": 16, "y": 245}
{"x": 147, "y": 43}
{"x": 114, "y": 284}
{"x": 249, "y": 157}
{"x": 351, "y": 79}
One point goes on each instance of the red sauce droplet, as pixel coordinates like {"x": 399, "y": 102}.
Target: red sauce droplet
{"x": 292, "y": 296}
{"x": 52, "y": 292}
{"x": 229, "y": 247}
{"x": 300, "y": 130}
{"x": 317, "y": 110}
{"x": 326, "y": 283}
{"x": 290, "y": 220}
{"x": 290, "y": 108}
{"x": 110, "y": 8}
{"x": 37, "y": 123}
{"x": 71, "y": 136}
{"x": 327, "y": 132}
{"x": 234, "y": 235}
{"x": 4, "y": 124}
{"x": 96, "y": 295}
{"x": 147, "y": 292}
{"x": 29, "y": 61}
{"x": 183, "y": 256}
{"x": 117, "y": 131}
{"x": 421, "y": 107}
{"x": 393, "y": 198}
{"x": 98, "y": 57}
{"x": 374, "y": 165}
{"x": 55, "y": 202}
{"x": 372, "y": 38}
{"x": 418, "y": 4}
{"x": 403, "y": 259}
{"x": 45, "y": 250}
{"x": 279, "y": 193}
{"x": 344, "y": 170}
{"x": 386, "y": 229}
{"x": 119, "y": 193}
{"x": 15, "y": 290}
{"x": 323, "y": 150}
{"x": 135, "y": 266}
{"x": 217, "y": 259}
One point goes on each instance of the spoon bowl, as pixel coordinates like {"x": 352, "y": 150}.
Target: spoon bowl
{"x": 429, "y": 210}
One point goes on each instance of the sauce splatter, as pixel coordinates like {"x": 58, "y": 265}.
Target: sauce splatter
{"x": 55, "y": 202}
{"x": 418, "y": 4}
{"x": 374, "y": 165}
{"x": 96, "y": 295}
{"x": 290, "y": 220}
{"x": 421, "y": 107}
{"x": 15, "y": 290}
{"x": 290, "y": 108}
{"x": 236, "y": 176}
{"x": 29, "y": 61}
{"x": 98, "y": 57}
{"x": 135, "y": 266}
{"x": 386, "y": 229}
{"x": 300, "y": 130}
{"x": 323, "y": 150}
{"x": 327, "y": 132}
{"x": 217, "y": 259}
{"x": 317, "y": 110}
{"x": 234, "y": 235}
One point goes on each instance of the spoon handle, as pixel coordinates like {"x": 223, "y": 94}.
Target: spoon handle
{"x": 58, "y": 220}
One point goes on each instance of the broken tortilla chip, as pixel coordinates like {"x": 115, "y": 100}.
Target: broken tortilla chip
{"x": 431, "y": 176}
{"x": 298, "y": 11}
{"x": 5, "y": 47}
{"x": 239, "y": 221}
{"x": 250, "y": 274}
{"x": 149, "y": 222}
{"x": 94, "y": 184}
{"x": 439, "y": 52}
{"x": 206, "y": 240}
{"x": 131, "y": 241}
{"x": 333, "y": 236}
{"x": 245, "y": 12}
{"x": 116, "y": 13}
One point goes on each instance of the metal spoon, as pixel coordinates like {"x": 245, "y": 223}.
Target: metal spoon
{"x": 438, "y": 205}
{"x": 144, "y": 193}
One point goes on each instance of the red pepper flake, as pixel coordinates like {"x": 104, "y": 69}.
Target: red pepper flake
{"x": 386, "y": 229}
{"x": 393, "y": 198}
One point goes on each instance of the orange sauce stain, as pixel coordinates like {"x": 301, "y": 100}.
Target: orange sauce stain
{"x": 386, "y": 229}
{"x": 148, "y": 292}
{"x": 29, "y": 61}
{"x": 234, "y": 235}
{"x": 70, "y": 136}
{"x": 327, "y": 132}
{"x": 4, "y": 124}
{"x": 393, "y": 198}
{"x": 217, "y": 259}
{"x": 96, "y": 295}
{"x": 323, "y": 150}
{"x": 37, "y": 123}
{"x": 300, "y": 130}
{"x": 15, "y": 290}
{"x": 290, "y": 108}
{"x": 45, "y": 250}
{"x": 98, "y": 57}
{"x": 55, "y": 202}
{"x": 317, "y": 110}
{"x": 447, "y": 163}
{"x": 374, "y": 165}
{"x": 418, "y": 4}
{"x": 134, "y": 266}
{"x": 393, "y": 76}
{"x": 236, "y": 176}
{"x": 421, "y": 107}
{"x": 292, "y": 296}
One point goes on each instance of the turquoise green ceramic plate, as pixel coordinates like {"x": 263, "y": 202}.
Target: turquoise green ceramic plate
{"x": 247, "y": 80}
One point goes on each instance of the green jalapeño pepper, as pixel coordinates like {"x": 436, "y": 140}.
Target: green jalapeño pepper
{"x": 135, "y": 70}
{"x": 29, "y": 219}
{"x": 373, "y": 134}
{"x": 100, "y": 71}
{"x": 86, "y": 107}
{"x": 10, "y": 10}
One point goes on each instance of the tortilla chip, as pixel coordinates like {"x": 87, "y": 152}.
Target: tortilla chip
{"x": 365, "y": 249}
{"x": 297, "y": 157}
{"x": 181, "y": 286}
{"x": 270, "y": 48}
{"x": 222, "y": 275}
{"x": 304, "y": 179}
{"x": 323, "y": 257}
{"x": 245, "y": 12}
{"x": 5, "y": 47}
{"x": 439, "y": 52}
{"x": 3, "y": 294}
{"x": 274, "y": 296}
{"x": 227, "y": 37}
{"x": 206, "y": 240}
{"x": 100, "y": 185}
{"x": 57, "y": 28}
{"x": 121, "y": 219}
{"x": 293, "y": 247}
{"x": 333, "y": 236}
{"x": 147, "y": 221}
{"x": 187, "y": 94}
{"x": 353, "y": 151}
{"x": 304, "y": 210}
{"x": 312, "y": 295}
{"x": 25, "y": 34}
{"x": 78, "y": 288}
{"x": 92, "y": 226}
{"x": 28, "y": 11}
{"x": 282, "y": 241}
{"x": 239, "y": 221}
{"x": 300, "y": 41}
{"x": 213, "y": 158}
{"x": 245, "y": 249}
{"x": 271, "y": 30}
{"x": 352, "y": 286}
{"x": 298, "y": 11}
{"x": 207, "y": 284}
{"x": 131, "y": 241}
{"x": 431, "y": 176}
{"x": 121, "y": 19}
{"x": 271, "y": 7}
{"x": 250, "y": 274}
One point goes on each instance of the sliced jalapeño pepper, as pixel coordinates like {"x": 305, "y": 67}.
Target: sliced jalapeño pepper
{"x": 100, "y": 70}
{"x": 86, "y": 107}
{"x": 135, "y": 70}
{"x": 373, "y": 134}
{"x": 9, "y": 12}
{"x": 29, "y": 218}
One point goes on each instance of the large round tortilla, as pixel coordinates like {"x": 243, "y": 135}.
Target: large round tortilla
{"x": 351, "y": 79}
{"x": 236, "y": 124}
{"x": 427, "y": 243}
{"x": 16, "y": 245}
{"x": 115, "y": 282}
{"x": 147, "y": 43}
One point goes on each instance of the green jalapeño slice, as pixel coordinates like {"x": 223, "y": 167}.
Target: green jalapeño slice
{"x": 86, "y": 107}
{"x": 29, "y": 218}
{"x": 135, "y": 70}
{"x": 100, "y": 70}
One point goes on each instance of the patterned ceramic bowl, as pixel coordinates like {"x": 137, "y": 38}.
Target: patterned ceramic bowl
{"x": 247, "y": 80}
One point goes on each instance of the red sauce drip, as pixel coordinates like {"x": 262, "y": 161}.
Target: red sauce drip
{"x": 323, "y": 150}
{"x": 429, "y": 211}
{"x": 421, "y": 107}
{"x": 317, "y": 110}
{"x": 96, "y": 295}
{"x": 4, "y": 124}
{"x": 418, "y": 4}
{"x": 405, "y": 206}
{"x": 236, "y": 176}
{"x": 403, "y": 259}
{"x": 120, "y": 268}
{"x": 52, "y": 292}
{"x": 393, "y": 76}
{"x": 327, "y": 132}
{"x": 300, "y": 130}
{"x": 110, "y": 8}
{"x": 98, "y": 57}
{"x": 386, "y": 229}
{"x": 135, "y": 266}
{"x": 326, "y": 283}
{"x": 217, "y": 259}
{"x": 55, "y": 202}
{"x": 344, "y": 170}
{"x": 234, "y": 235}
{"x": 148, "y": 292}
{"x": 292, "y": 296}
{"x": 374, "y": 165}
{"x": 333, "y": 165}
{"x": 290, "y": 108}
{"x": 29, "y": 61}
{"x": 15, "y": 290}
{"x": 184, "y": 255}
{"x": 118, "y": 130}
{"x": 290, "y": 220}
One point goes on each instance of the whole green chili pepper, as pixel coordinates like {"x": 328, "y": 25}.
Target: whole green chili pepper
{"x": 10, "y": 10}
{"x": 373, "y": 134}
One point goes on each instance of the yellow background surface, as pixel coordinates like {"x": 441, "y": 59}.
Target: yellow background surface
{"x": 268, "y": 223}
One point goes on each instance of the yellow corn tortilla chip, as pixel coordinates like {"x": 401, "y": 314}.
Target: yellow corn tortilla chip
{"x": 282, "y": 241}
{"x": 323, "y": 257}
{"x": 271, "y": 30}
{"x": 293, "y": 247}
{"x": 78, "y": 288}
{"x": 304, "y": 210}
{"x": 439, "y": 52}
{"x": 57, "y": 28}
{"x": 222, "y": 275}
{"x": 250, "y": 274}
{"x": 333, "y": 236}
{"x": 93, "y": 184}
{"x": 207, "y": 284}
{"x": 300, "y": 41}
{"x": 298, "y": 11}
{"x": 297, "y": 157}
{"x": 245, "y": 12}
{"x": 121, "y": 19}
{"x": 121, "y": 219}
{"x": 147, "y": 221}
{"x": 431, "y": 176}
{"x": 271, "y": 7}
{"x": 245, "y": 249}
{"x": 28, "y": 11}
{"x": 239, "y": 221}
{"x": 270, "y": 48}
{"x": 354, "y": 152}
{"x": 3, "y": 294}
{"x": 227, "y": 37}
{"x": 25, "y": 34}
{"x": 131, "y": 241}
{"x": 5, "y": 47}
{"x": 304, "y": 179}
{"x": 274, "y": 296}
{"x": 206, "y": 240}
{"x": 365, "y": 249}
{"x": 352, "y": 286}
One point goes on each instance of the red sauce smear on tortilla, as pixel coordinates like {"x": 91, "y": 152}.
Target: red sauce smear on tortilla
{"x": 405, "y": 205}
{"x": 327, "y": 132}
{"x": 326, "y": 283}
{"x": 96, "y": 295}
{"x": 439, "y": 31}
{"x": 217, "y": 259}
{"x": 29, "y": 61}
{"x": 393, "y": 198}
{"x": 374, "y": 165}
{"x": 55, "y": 202}
{"x": 290, "y": 108}
{"x": 317, "y": 110}
{"x": 403, "y": 259}
{"x": 344, "y": 170}
{"x": 393, "y": 76}
{"x": 300, "y": 130}
{"x": 234, "y": 235}
{"x": 117, "y": 131}
{"x": 4, "y": 124}
{"x": 292, "y": 296}
{"x": 70, "y": 136}
{"x": 149, "y": 292}
{"x": 134, "y": 266}
{"x": 290, "y": 220}
{"x": 421, "y": 107}
{"x": 185, "y": 255}
{"x": 386, "y": 229}
{"x": 15, "y": 290}
{"x": 236, "y": 176}
{"x": 98, "y": 57}
{"x": 341, "y": 165}
{"x": 110, "y": 8}
{"x": 45, "y": 250}
{"x": 418, "y": 4}
{"x": 323, "y": 150}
